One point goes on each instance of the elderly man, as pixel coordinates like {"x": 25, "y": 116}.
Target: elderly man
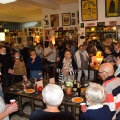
{"x": 52, "y": 96}
{"x": 112, "y": 85}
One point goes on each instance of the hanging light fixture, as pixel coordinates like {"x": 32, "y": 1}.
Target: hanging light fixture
{"x": 6, "y": 1}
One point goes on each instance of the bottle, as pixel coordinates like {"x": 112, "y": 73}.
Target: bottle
{"x": 75, "y": 87}
{"x": 24, "y": 78}
{"x": 78, "y": 89}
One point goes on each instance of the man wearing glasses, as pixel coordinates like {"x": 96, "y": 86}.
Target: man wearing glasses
{"x": 112, "y": 85}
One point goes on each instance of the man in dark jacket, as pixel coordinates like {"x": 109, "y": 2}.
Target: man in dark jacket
{"x": 6, "y": 70}
{"x": 25, "y": 55}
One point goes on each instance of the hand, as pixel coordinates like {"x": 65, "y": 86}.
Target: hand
{"x": 11, "y": 108}
{"x": 51, "y": 52}
{"x": 12, "y": 72}
{"x": 65, "y": 73}
{"x": 9, "y": 70}
{"x": 33, "y": 60}
{"x": 83, "y": 108}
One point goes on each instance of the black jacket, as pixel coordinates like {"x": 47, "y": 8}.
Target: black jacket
{"x": 6, "y": 62}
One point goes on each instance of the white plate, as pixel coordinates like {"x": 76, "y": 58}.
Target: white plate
{"x": 76, "y": 98}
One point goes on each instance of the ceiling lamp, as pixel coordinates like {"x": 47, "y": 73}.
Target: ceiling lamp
{"x": 6, "y": 1}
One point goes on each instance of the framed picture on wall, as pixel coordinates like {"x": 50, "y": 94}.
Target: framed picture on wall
{"x": 54, "y": 20}
{"x": 66, "y": 19}
{"x": 73, "y": 21}
{"x": 111, "y": 8}
{"x": 89, "y": 10}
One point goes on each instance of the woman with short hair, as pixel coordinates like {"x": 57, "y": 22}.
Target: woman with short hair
{"x": 34, "y": 63}
{"x": 67, "y": 67}
{"x": 52, "y": 97}
{"x": 95, "y": 96}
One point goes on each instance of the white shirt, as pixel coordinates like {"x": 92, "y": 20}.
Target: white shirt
{"x": 117, "y": 71}
{"x": 2, "y": 108}
{"x": 39, "y": 51}
{"x": 51, "y": 57}
{"x": 95, "y": 106}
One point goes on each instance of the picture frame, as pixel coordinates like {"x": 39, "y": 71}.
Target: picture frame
{"x": 89, "y": 10}
{"x": 66, "y": 19}
{"x": 73, "y": 22}
{"x": 54, "y": 20}
{"x": 111, "y": 8}
{"x": 73, "y": 14}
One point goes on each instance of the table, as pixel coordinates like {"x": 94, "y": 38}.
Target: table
{"x": 67, "y": 102}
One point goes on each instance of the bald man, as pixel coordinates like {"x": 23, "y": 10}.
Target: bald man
{"x": 112, "y": 85}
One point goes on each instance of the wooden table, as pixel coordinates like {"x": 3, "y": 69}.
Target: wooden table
{"x": 67, "y": 102}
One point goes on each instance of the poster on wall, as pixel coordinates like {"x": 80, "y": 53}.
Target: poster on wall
{"x": 73, "y": 21}
{"x": 111, "y": 8}
{"x": 66, "y": 19}
{"x": 54, "y": 20}
{"x": 46, "y": 21}
{"x": 89, "y": 10}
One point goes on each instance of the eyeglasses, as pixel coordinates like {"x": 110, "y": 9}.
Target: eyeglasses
{"x": 101, "y": 72}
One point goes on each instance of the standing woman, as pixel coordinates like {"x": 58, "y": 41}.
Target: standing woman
{"x": 34, "y": 63}
{"x": 67, "y": 67}
{"x": 19, "y": 68}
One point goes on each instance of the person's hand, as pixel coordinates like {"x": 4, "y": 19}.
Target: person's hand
{"x": 33, "y": 60}
{"x": 11, "y": 108}
{"x": 12, "y": 72}
{"x": 9, "y": 70}
{"x": 83, "y": 108}
{"x": 64, "y": 72}
{"x": 90, "y": 55}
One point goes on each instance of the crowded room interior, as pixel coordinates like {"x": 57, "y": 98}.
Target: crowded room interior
{"x": 60, "y": 60}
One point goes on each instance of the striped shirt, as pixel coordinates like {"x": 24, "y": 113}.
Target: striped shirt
{"x": 112, "y": 85}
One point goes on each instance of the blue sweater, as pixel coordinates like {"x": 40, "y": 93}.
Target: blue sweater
{"x": 97, "y": 114}
{"x": 36, "y": 65}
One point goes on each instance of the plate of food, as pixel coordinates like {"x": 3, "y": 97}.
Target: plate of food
{"x": 77, "y": 99}
{"x": 26, "y": 83}
{"x": 29, "y": 90}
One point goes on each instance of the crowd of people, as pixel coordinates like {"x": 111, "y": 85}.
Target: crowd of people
{"x": 71, "y": 61}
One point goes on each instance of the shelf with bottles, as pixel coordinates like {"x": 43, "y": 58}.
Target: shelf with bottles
{"x": 60, "y": 34}
{"x": 101, "y": 32}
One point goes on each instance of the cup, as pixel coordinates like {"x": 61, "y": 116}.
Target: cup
{"x": 12, "y": 101}
{"x": 83, "y": 107}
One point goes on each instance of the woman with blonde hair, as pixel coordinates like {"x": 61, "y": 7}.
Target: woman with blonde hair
{"x": 19, "y": 68}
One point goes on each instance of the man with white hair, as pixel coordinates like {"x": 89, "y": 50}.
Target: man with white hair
{"x": 95, "y": 96}
{"x": 112, "y": 85}
{"x": 52, "y": 97}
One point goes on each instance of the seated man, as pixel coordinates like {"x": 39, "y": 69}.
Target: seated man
{"x": 112, "y": 85}
{"x": 95, "y": 96}
{"x": 52, "y": 97}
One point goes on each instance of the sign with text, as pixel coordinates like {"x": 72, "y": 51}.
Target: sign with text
{"x": 112, "y": 23}
{"x": 90, "y": 24}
